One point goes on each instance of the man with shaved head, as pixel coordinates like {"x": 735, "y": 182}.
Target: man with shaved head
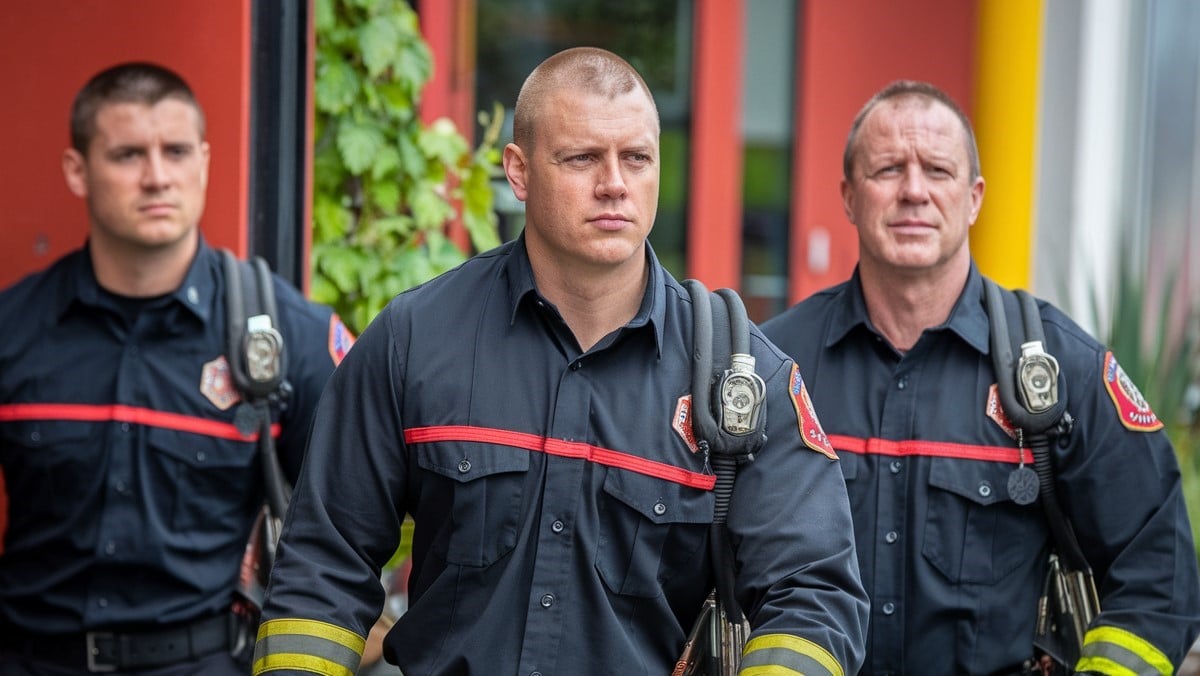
{"x": 531, "y": 411}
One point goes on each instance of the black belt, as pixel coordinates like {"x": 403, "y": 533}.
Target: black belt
{"x": 105, "y": 651}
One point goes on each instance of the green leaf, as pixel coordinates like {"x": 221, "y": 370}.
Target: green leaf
{"x": 330, "y": 220}
{"x": 385, "y": 195}
{"x": 378, "y": 41}
{"x": 321, "y": 290}
{"x": 429, "y": 208}
{"x": 337, "y": 83}
{"x": 341, "y": 266}
{"x": 358, "y": 144}
{"x": 442, "y": 142}
{"x": 324, "y": 15}
{"x": 387, "y": 162}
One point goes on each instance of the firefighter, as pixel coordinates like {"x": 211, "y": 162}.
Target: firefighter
{"x": 531, "y": 411}
{"x": 132, "y": 489}
{"x": 953, "y": 555}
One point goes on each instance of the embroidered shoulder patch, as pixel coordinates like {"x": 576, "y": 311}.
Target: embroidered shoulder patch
{"x": 1131, "y": 406}
{"x": 216, "y": 384}
{"x": 810, "y": 428}
{"x": 681, "y": 422}
{"x": 340, "y": 339}
{"x": 996, "y": 412}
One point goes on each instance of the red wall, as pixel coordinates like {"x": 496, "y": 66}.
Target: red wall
{"x": 849, "y": 49}
{"x": 49, "y": 48}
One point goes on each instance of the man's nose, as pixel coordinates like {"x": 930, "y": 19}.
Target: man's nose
{"x": 611, "y": 182}
{"x": 154, "y": 174}
{"x": 914, "y": 186}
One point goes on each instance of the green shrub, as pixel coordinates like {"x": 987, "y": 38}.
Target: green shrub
{"x": 386, "y": 185}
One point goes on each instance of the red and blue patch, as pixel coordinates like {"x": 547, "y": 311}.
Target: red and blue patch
{"x": 340, "y": 339}
{"x": 1132, "y": 407}
{"x": 681, "y": 422}
{"x": 806, "y": 416}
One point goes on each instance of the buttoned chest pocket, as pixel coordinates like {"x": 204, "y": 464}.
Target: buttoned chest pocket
{"x": 486, "y": 484}
{"x": 46, "y": 461}
{"x": 650, "y": 529}
{"x": 974, "y": 533}
{"x": 215, "y": 480}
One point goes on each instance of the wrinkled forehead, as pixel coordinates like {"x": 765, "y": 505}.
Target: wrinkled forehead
{"x": 909, "y": 120}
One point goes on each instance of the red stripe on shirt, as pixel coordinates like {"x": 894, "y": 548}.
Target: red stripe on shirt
{"x": 931, "y": 449}
{"x": 129, "y": 414}
{"x": 561, "y": 448}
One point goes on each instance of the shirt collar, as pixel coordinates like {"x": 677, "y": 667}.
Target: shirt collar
{"x": 967, "y": 318}
{"x": 651, "y": 312}
{"x": 196, "y": 293}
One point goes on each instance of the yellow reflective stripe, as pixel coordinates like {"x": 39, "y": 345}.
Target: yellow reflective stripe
{"x": 307, "y": 645}
{"x": 316, "y": 665}
{"x": 1112, "y": 650}
{"x": 329, "y": 632}
{"x": 784, "y": 655}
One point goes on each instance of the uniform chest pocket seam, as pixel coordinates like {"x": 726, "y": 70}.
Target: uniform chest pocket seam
{"x": 974, "y": 533}
{"x": 650, "y": 529}
{"x": 212, "y": 478}
{"x": 486, "y": 482}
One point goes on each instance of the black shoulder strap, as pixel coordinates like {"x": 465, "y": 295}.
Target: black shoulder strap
{"x": 1025, "y": 387}
{"x": 256, "y": 348}
{"x": 257, "y": 362}
{"x": 728, "y": 412}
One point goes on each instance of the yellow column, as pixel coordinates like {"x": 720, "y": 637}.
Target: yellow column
{"x": 1005, "y": 119}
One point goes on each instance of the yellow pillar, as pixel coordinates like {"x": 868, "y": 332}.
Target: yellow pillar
{"x": 1005, "y": 119}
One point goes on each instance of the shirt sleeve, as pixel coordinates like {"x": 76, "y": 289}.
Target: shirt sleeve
{"x": 798, "y": 577}
{"x": 343, "y": 523}
{"x": 1119, "y": 481}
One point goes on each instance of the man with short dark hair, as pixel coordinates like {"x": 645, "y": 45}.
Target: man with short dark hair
{"x": 132, "y": 488}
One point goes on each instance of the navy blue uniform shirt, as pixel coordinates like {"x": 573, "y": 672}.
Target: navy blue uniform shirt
{"x": 562, "y": 515}
{"x": 131, "y": 492}
{"x": 953, "y": 566}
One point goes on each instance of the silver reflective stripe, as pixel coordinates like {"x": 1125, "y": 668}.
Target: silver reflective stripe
{"x": 783, "y": 657}
{"x": 1115, "y": 653}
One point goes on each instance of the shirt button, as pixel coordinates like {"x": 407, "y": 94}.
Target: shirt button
{"x": 535, "y": 673}
{"x": 464, "y": 466}
{"x": 547, "y": 600}
{"x": 121, "y": 487}
{"x": 891, "y": 537}
{"x": 35, "y": 436}
{"x": 576, "y": 365}
{"x": 133, "y": 350}
{"x": 557, "y": 526}
{"x": 889, "y": 608}
{"x": 102, "y": 602}
{"x": 193, "y": 295}
{"x": 895, "y": 467}
{"x": 985, "y": 489}
{"x": 124, "y": 427}
{"x": 110, "y": 547}
{"x": 902, "y": 383}
{"x": 201, "y": 456}
{"x": 660, "y": 508}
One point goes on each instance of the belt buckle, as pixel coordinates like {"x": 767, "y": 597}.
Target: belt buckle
{"x": 93, "y": 652}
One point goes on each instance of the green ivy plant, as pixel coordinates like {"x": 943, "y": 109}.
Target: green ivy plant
{"x": 385, "y": 184}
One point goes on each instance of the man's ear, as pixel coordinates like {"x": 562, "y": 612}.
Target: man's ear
{"x": 74, "y": 166}
{"x": 514, "y": 170}
{"x": 848, "y": 200}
